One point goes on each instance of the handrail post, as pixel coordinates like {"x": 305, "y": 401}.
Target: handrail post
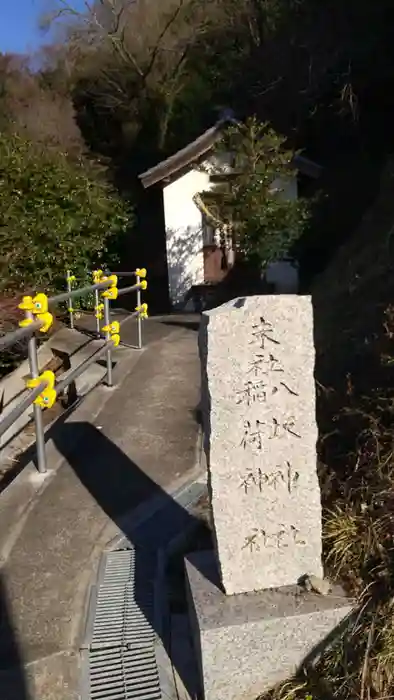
{"x": 70, "y": 301}
{"x": 139, "y": 320}
{"x": 39, "y": 426}
{"x": 96, "y": 304}
{"x": 107, "y": 322}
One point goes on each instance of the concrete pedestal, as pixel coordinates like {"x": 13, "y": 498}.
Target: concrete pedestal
{"x": 248, "y": 643}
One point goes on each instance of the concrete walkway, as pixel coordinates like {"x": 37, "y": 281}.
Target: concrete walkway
{"x": 143, "y": 442}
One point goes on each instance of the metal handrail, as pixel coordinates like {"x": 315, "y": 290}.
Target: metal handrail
{"x": 70, "y": 294}
{"x": 126, "y": 274}
{"x": 13, "y": 415}
{"x": 75, "y": 373}
{"x": 132, "y": 314}
{"x": 14, "y": 336}
{"x": 47, "y": 390}
{"x": 31, "y": 396}
{"x": 75, "y": 293}
{"x": 132, "y": 288}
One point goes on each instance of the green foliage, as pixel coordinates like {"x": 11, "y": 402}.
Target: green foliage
{"x": 88, "y": 301}
{"x": 54, "y": 214}
{"x": 263, "y": 221}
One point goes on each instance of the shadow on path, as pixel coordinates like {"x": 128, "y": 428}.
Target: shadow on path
{"x": 13, "y": 685}
{"x": 190, "y": 324}
{"x": 118, "y": 486}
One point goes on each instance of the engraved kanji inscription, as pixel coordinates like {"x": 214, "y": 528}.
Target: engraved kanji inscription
{"x": 291, "y": 391}
{"x": 264, "y": 364}
{"x": 253, "y": 435}
{"x": 256, "y": 432}
{"x": 285, "y": 536}
{"x": 252, "y": 392}
{"x": 262, "y": 332}
{"x": 281, "y": 476}
{"x": 280, "y": 428}
{"x": 259, "y": 391}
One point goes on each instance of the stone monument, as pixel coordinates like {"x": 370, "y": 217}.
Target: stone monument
{"x": 260, "y": 432}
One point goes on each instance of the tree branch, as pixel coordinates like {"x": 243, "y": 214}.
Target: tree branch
{"x": 162, "y": 35}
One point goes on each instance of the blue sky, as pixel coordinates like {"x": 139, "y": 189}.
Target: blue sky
{"x": 19, "y": 23}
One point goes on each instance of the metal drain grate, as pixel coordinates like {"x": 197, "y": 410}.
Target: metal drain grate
{"x": 120, "y": 674}
{"x": 122, "y": 660}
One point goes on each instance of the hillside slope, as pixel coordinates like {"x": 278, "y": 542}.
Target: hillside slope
{"x": 354, "y": 335}
{"x": 351, "y": 296}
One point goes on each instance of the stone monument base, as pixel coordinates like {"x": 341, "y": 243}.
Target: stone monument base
{"x": 248, "y": 643}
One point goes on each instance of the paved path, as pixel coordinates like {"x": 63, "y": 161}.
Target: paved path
{"x": 143, "y": 440}
{"x": 153, "y": 329}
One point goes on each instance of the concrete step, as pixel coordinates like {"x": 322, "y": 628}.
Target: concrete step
{"x": 21, "y": 436}
{"x": 67, "y": 342}
{"x": 68, "y": 346}
{"x": 13, "y": 390}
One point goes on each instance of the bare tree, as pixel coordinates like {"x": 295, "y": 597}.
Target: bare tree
{"x": 27, "y": 107}
{"x": 136, "y": 50}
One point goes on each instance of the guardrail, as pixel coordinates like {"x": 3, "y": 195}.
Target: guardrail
{"x": 139, "y": 274}
{"x": 43, "y": 389}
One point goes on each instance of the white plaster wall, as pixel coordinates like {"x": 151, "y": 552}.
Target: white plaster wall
{"x": 184, "y": 240}
{"x": 183, "y": 222}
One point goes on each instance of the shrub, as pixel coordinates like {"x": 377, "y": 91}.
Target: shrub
{"x": 263, "y": 222}
{"x": 54, "y": 214}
